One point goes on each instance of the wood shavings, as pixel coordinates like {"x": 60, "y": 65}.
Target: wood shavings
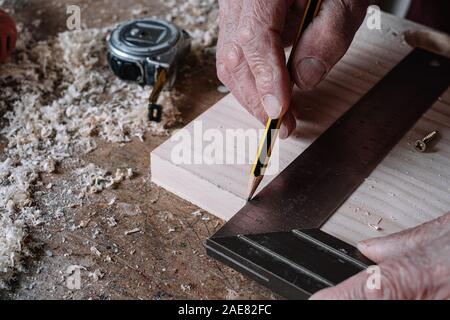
{"x": 129, "y": 173}
{"x": 171, "y": 229}
{"x": 112, "y": 201}
{"x": 72, "y": 268}
{"x": 95, "y": 251}
{"x": 53, "y": 100}
{"x": 185, "y": 287}
{"x": 83, "y": 224}
{"x": 36, "y": 23}
{"x": 232, "y": 294}
{"x": 129, "y": 209}
{"x": 197, "y": 213}
{"x": 48, "y": 166}
{"x": 199, "y": 17}
{"x": 11, "y": 235}
{"x": 132, "y": 231}
{"x": 111, "y": 222}
{"x": 96, "y": 275}
{"x": 96, "y": 179}
{"x": 50, "y": 99}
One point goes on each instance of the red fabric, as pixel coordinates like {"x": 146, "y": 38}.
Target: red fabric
{"x": 8, "y": 35}
{"x": 432, "y": 13}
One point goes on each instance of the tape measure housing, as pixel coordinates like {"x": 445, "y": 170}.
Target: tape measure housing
{"x": 137, "y": 49}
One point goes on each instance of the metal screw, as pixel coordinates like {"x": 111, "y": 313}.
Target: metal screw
{"x": 421, "y": 145}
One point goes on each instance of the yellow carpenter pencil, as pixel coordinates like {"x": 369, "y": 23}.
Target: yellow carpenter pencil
{"x": 273, "y": 125}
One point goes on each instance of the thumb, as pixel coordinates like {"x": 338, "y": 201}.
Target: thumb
{"x": 422, "y": 274}
{"x": 380, "y": 249}
{"x": 326, "y": 40}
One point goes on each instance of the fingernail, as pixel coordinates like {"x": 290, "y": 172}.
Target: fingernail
{"x": 310, "y": 72}
{"x": 272, "y": 106}
{"x": 284, "y": 132}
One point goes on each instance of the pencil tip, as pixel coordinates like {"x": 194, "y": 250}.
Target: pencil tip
{"x": 253, "y": 186}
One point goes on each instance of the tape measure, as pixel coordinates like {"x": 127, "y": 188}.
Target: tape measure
{"x": 147, "y": 51}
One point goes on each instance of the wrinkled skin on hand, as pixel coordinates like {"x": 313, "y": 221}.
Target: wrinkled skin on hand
{"x": 414, "y": 264}
{"x": 7, "y": 36}
{"x": 250, "y": 51}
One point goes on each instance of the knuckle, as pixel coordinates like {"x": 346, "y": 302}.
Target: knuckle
{"x": 232, "y": 56}
{"x": 263, "y": 75}
{"x": 262, "y": 12}
{"x": 245, "y": 32}
{"x": 270, "y": 14}
{"x": 253, "y": 27}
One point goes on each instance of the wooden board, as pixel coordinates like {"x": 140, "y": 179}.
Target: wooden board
{"x": 407, "y": 189}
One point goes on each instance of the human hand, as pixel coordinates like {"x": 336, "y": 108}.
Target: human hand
{"x": 250, "y": 51}
{"x": 414, "y": 264}
{"x": 8, "y": 35}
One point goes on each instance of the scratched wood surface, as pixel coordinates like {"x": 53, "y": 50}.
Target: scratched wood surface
{"x": 407, "y": 189}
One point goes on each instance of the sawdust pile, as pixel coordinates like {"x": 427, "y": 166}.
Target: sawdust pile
{"x": 57, "y": 96}
{"x": 96, "y": 179}
{"x": 200, "y": 17}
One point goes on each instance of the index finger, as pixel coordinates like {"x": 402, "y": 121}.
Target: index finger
{"x": 259, "y": 35}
